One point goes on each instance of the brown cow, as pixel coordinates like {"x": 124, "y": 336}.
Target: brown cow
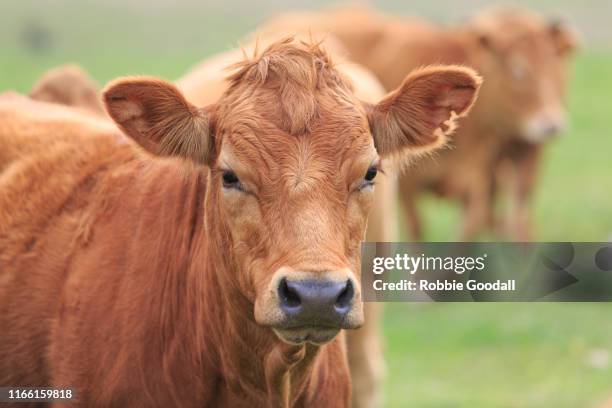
{"x": 69, "y": 85}
{"x": 204, "y": 85}
{"x": 521, "y": 56}
{"x": 365, "y": 357}
{"x": 221, "y": 272}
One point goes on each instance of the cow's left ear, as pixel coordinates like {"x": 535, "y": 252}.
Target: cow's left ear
{"x": 419, "y": 114}
{"x": 565, "y": 38}
{"x": 158, "y": 117}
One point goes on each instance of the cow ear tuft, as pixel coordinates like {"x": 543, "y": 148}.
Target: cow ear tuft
{"x": 419, "y": 114}
{"x": 157, "y": 116}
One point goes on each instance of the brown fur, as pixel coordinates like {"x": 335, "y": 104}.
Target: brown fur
{"x": 509, "y": 116}
{"x": 69, "y": 85}
{"x": 141, "y": 281}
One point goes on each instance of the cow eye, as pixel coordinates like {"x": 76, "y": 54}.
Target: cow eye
{"x": 230, "y": 180}
{"x": 371, "y": 174}
{"x": 368, "y": 179}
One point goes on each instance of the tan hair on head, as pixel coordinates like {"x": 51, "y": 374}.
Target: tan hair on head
{"x": 297, "y": 69}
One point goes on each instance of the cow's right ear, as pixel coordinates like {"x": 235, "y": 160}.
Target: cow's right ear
{"x": 158, "y": 117}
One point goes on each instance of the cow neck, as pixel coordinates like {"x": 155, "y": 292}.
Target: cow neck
{"x": 253, "y": 362}
{"x": 474, "y": 56}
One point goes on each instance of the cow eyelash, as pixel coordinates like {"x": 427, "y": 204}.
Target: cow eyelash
{"x": 231, "y": 180}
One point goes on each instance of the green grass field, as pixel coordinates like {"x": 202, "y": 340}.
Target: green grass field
{"x": 498, "y": 355}
{"x": 439, "y": 355}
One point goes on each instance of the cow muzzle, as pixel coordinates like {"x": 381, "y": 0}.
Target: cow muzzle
{"x": 319, "y": 302}
{"x": 543, "y": 127}
{"x": 312, "y": 307}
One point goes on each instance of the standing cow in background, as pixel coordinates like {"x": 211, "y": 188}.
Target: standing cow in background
{"x": 523, "y": 59}
{"x": 222, "y": 272}
{"x": 506, "y": 47}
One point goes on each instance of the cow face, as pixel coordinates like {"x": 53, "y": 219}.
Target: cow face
{"x": 524, "y": 62}
{"x": 293, "y": 160}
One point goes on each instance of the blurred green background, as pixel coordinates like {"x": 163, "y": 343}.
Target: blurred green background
{"x": 439, "y": 355}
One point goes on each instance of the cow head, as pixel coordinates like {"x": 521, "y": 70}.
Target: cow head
{"x": 523, "y": 58}
{"x": 69, "y": 85}
{"x": 293, "y": 157}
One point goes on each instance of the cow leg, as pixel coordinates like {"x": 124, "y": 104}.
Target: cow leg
{"x": 476, "y": 208}
{"x": 407, "y": 193}
{"x": 366, "y": 360}
{"x": 492, "y": 220}
{"x": 526, "y": 166}
{"x": 502, "y": 181}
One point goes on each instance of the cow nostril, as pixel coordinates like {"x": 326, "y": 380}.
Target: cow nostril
{"x": 289, "y": 297}
{"x": 345, "y": 298}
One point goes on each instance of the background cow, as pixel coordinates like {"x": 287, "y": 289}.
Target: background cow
{"x": 69, "y": 85}
{"x": 523, "y": 59}
{"x": 503, "y": 130}
{"x": 221, "y": 272}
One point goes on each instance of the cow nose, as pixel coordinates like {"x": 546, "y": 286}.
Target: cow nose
{"x": 315, "y": 302}
{"x": 553, "y": 129}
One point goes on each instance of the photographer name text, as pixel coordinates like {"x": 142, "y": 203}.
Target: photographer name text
{"x": 442, "y": 285}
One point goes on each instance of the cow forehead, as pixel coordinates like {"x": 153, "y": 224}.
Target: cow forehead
{"x": 538, "y": 54}
{"x": 508, "y": 20}
{"x": 292, "y": 109}
{"x": 330, "y": 145}
{"x": 511, "y": 27}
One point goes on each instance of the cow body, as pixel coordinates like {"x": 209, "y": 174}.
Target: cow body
{"x": 100, "y": 226}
